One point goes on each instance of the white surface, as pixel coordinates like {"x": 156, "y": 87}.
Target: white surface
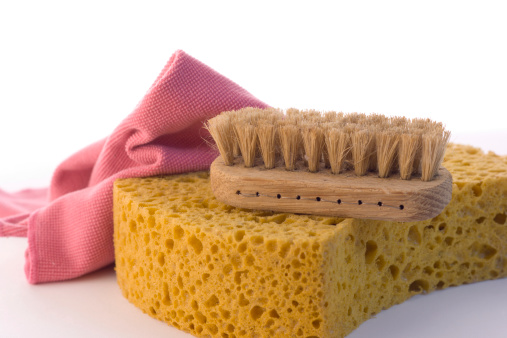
{"x": 71, "y": 71}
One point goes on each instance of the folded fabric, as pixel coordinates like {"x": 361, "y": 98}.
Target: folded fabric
{"x": 70, "y": 225}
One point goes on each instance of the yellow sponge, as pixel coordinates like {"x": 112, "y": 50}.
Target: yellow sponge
{"x": 217, "y": 271}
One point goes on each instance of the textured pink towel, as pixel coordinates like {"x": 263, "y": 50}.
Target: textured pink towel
{"x": 70, "y": 225}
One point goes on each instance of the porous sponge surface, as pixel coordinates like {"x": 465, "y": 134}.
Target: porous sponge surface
{"x": 218, "y": 271}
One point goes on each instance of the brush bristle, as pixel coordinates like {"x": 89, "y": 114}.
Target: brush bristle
{"x": 308, "y": 138}
{"x": 361, "y": 150}
{"x": 267, "y": 134}
{"x": 221, "y": 129}
{"x": 337, "y": 142}
{"x": 408, "y": 150}
{"x": 290, "y": 143}
{"x": 313, "y": 142}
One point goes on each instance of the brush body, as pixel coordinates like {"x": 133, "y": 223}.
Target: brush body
{"x": 333, "y": 164}
{"x": 327, "y": 194}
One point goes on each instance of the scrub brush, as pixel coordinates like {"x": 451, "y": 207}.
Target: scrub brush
{"x": 332, "y": 164}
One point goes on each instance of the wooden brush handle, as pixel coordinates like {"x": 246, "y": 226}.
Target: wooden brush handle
{"x": 323, "y": 193}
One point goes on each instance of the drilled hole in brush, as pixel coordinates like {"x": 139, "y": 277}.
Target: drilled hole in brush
{"x": 359, "y": 202}
{"x": 257, "y": 194}
{"x": 238, "y": 192}
{"x": 402, "y": 207}
{"x": 379, "y": 204}
{"x": 298, "y": 197}
{"x": 278, "y": 196}
{"x": 339, "y": 201}
{"x": 318, "y": 199}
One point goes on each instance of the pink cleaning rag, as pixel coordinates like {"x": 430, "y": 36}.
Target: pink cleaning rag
{"x": 70, "y": 225}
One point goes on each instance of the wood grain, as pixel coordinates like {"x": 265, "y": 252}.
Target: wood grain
{"x": 323, "y": 193}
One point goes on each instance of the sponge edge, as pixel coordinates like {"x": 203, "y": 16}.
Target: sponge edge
{"x": 214, "y": 270}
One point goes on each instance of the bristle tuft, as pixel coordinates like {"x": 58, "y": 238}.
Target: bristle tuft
{"x": 220, "y": 128}
{"x": 313, "y": 142}
{"x": 387, "y": 147}
{"x": 266, "y": 133}
{"x": 361, "y": 150}
{"x": 337, "y": 142}
{"x": 433, "y": 148}
{"x": 289, "y": 141}
{"x": 247, "y": 138}
{"x": 409, "y": 147}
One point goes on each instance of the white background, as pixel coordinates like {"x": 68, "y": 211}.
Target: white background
{"x": 71, "y": 71}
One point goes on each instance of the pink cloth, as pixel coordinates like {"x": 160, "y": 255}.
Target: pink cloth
{"x": 70, "y": 225}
